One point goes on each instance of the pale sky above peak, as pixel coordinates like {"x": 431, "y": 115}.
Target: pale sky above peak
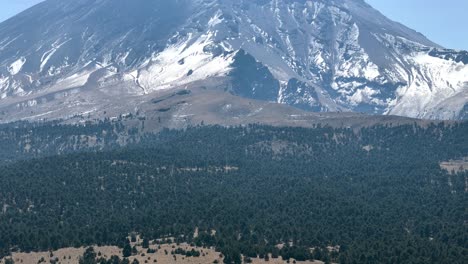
{"x": 444, "y": 22}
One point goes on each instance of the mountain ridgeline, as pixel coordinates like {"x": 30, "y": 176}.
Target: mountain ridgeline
{"x": 375, "y": 195}
{"x": 62, "y": 58}
{"x": 291, "y": 129}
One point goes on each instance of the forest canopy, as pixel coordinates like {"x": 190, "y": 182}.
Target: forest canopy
{"x": 377, "y": 194}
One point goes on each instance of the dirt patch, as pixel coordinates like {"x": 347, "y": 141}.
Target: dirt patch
{"x": 163, "y": 255}
{"x": 455, "y": 166}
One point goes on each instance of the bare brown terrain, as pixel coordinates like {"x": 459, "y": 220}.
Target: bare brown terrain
{"x": 163, "y": 255}
{"x": 455, "y": 166}
{"x": 202, "y": 103}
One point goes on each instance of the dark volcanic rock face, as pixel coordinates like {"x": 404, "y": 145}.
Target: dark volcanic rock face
{"x": 253, "y": 80}
{"x": 336, "y": 55}
{"x": 301, "y": 95}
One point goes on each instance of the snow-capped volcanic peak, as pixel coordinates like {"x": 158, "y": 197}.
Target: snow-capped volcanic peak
{"x": 321, "y": 55}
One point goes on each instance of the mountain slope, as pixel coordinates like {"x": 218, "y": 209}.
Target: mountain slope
{"x": 65, "y": 58}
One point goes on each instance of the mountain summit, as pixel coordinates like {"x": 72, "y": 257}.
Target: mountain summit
{"x": 61, "y": 58}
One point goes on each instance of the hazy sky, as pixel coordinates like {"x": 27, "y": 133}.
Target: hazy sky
{"x": 9, "y": 8}
{"x": 444, "y": 22}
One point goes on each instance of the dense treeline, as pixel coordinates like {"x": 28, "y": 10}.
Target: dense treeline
{"x": 377, "y": 196}
{"x": 24, "y": 140}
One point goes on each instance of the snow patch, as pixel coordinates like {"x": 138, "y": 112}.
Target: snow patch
{"x": 216, "y": 19}
{"x": 365, "y": 96}
{"x": 166, "y": 71}
{"x": 75, "y": 80}
{"x": 48, "y": 54}
{"x": 4, "y": 83}
{"x": 16, "y": 66}
{"x": 6, "y": 42}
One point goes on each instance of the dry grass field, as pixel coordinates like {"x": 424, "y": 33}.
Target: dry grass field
{"x": 163, "y": 255}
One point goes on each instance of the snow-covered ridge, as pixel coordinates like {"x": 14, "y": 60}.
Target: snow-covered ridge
{"x": 323, "y": 55}
{"x": 433, "y": 82}
{"x": 184, "y": 62}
